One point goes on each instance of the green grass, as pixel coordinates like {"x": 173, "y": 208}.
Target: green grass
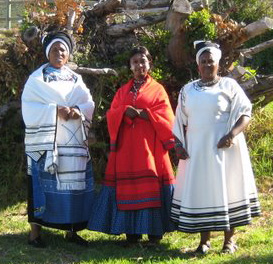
{"x": 260, "y": 141}
{"x": 269, "y": 107}
{"x": 255, "y": 242}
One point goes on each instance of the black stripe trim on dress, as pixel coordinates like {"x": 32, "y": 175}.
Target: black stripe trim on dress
{"x": 73, "y": 155}
{"x": 68, "y": 172}
{"x": 37, "y": 144}
{"x": 38, "y": 127}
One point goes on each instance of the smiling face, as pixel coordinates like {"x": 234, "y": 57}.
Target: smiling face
{"x": 207, "y": 67}
{"x": 140, "y": 65}
{"x": 58, "y": 55}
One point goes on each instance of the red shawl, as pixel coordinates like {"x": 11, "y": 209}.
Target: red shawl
{"x": 139, "y": 163}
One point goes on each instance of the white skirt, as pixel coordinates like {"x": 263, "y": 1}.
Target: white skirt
{"x": 215, "y": 188}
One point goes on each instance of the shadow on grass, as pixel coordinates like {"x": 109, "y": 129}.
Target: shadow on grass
{"x": 14, "y": 249}
{"x": 265, "y": 259}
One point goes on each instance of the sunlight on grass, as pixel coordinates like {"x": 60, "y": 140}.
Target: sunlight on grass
{"x": 255, "y": 243}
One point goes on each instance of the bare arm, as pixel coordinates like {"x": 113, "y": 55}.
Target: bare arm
{"x": 240, "y": 125}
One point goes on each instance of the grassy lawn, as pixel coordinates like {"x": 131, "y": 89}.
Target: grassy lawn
{"x": 255, "y": 242}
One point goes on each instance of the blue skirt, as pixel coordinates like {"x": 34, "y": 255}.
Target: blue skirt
{"x": 108, "y": 219}
{"x": 61, "y": 209}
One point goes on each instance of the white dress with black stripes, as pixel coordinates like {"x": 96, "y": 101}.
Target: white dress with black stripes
{"x": 215, "y": 188}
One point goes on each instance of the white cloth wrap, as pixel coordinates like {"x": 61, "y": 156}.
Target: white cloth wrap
{"x": 215, "y": 52}
{"x": 45, "y": 132}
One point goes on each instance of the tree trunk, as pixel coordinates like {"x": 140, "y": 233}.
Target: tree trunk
{"x": 260, "y": 90}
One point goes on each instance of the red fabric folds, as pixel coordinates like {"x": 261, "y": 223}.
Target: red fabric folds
{"x": 139, "y": 163}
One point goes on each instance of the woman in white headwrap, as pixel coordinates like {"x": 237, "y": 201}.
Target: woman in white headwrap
{"x": 57, "y": 110}
{"x": 215, "y": 187}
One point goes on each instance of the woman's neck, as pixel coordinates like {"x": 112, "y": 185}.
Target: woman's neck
{"x": 210, "y": 79}
{"x": 140, "y": 78}
{"x": 57, "y": 68}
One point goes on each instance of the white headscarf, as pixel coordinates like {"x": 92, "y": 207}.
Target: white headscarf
{"x": 213, "y": 48}
{"x": 54, "y": 41}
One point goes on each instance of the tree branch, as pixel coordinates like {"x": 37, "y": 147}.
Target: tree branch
{"x": 131, "y": 4}
{"x": 91, "y": 71}
{"x": 261, "y": 86}
{"x": 256, "y": 49}
{"x": 103, "y": 8}
{"x": 122, "y": 29}
{"x": 258, "y": 27}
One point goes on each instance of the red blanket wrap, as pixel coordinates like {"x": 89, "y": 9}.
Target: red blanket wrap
{"x": 139, "y": 164}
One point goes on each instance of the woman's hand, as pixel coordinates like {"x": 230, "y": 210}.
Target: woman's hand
{"x": 132, "y": 112}
{"x": 67, "y": 113}
{"x": 63, "y": 112}
{"x": 74, "y": 113}
{"x": 143, "y": 114}
{"x": 226, "y": 141}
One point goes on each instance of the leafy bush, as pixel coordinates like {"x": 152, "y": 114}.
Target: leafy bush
{"x": 246, "y": 11}
{"x": 199, "y": 26}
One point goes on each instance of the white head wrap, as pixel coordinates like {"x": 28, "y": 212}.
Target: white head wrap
{"x": 213, "y": 48}
{"x": 52, "y": 42}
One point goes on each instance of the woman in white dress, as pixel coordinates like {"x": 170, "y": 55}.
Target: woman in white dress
{"x": 215, "y": 187}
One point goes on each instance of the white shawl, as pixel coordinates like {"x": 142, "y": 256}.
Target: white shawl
{"x": 39, "y": 108}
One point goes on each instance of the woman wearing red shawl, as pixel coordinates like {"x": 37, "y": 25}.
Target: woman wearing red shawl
{"x": 136, "y": 194}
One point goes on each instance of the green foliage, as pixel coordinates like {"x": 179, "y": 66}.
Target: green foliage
{"x": 199, "y": 26}
{"x": 250, "y": 72}
{"x": 246, "y": 11}
{"x": 156, "y": 42}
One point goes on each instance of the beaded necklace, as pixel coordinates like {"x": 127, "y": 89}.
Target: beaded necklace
{"x": 202, "y": 86}
{"x": 136, "y": 86}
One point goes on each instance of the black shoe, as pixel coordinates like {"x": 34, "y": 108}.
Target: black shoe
{"x": 154, "y": 240}
{"x": 133, "y": 238}
{"x": 75, "y": 238}
{"x": 37, "y": 242}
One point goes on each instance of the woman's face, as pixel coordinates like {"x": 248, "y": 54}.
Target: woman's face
{"x": 207, "y": 67}
{"x": 58, "y": 55}
{"x": 140, "y": 65}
